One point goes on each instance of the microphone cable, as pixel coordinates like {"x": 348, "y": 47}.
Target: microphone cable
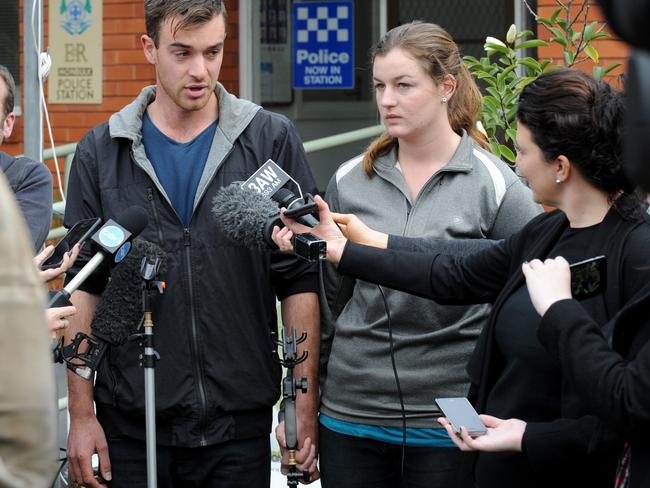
{"x": 399, "y": 388}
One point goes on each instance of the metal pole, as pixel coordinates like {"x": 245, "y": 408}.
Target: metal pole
{"x": 33, "y": 109}
{"x": 150, "y": 397}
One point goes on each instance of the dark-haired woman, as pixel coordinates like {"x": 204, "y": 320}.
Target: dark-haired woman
{"x": 569, "y": 151}
{"x": 428, "y": 174}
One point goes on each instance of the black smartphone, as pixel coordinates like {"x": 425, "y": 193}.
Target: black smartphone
{"x": 77, "y": 234}
{"x": 460, "y": 413}
{"x": 588, "y": 277}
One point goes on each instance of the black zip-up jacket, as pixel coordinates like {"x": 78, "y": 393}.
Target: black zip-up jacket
{"x": 217, "y": 378}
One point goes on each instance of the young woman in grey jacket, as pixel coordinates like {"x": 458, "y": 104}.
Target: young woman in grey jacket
{"x": 429, "y": 174}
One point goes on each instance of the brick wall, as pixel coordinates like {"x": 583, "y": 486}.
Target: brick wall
{"x": 611, "y": 50}
{"x": 125, "y": 72}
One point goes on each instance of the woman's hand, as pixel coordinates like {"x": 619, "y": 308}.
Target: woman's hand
{"x": 547, "y": 282}
{"x": 68, "y": 260}
{"x": 358, "y": 232}
{"x": 327, "y": 230}
{"x": 502, "y": 435}
{"x": 57, "y": 318}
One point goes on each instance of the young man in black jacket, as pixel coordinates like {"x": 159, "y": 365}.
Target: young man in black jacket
{"x": 169, "y": 152}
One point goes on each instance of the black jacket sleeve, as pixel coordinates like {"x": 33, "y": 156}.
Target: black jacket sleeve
{"x": 292, "y": 275}
{"x": 84, "y": 202}
{"x": 613, "y": 387}
{"x": 476, "y": 278}
{"x": 454, "y": 247}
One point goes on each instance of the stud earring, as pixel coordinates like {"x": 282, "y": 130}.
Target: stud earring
{"x": 444, "y": 100}
{"x": 558, "y": 181}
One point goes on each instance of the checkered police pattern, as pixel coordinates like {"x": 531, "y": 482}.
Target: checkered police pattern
{"x": 323, "y": 23}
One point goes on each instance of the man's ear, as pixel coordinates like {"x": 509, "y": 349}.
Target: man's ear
{"x": 149, "y": 48}
{"x": 8, "y": 125}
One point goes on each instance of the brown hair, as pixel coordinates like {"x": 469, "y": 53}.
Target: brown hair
{"x": 438, "y": 54}
{"x": 190, "y": 12}
{"x": 8, "y": 102}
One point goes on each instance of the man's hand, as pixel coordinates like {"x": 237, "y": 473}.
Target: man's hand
{"x": 86, "y": 437}
{"x": 502, "y": 435}
{"x": 306, "y": 455}
{"x": 57, "y": 318}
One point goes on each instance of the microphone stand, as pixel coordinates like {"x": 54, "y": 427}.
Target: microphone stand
{"x": 289, "y": 360}
{"x": 150, "y": 287}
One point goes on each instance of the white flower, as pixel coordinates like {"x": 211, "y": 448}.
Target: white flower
{"x": 492, "y": 40}
{"x": 512, "y": 32}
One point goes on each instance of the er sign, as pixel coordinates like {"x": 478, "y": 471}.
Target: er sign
{"x": 323, "y": 45}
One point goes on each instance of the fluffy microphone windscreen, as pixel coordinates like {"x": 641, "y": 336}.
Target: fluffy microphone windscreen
{"x": 242, "y": 214}
{"x": 119, "y": 311}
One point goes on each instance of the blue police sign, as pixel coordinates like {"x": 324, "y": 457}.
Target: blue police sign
{"x": 323, "y": 44}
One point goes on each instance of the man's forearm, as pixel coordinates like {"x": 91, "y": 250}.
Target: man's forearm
{"x": 80, "y": 391}
{"x": 301, "y": 312}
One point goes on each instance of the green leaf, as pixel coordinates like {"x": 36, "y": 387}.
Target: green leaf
{"x": 589, "y": 31}
{"x": 561, "y": 22}
{"x": 554, "y": 15}
{"x": 531, "y": 43}
{"x": 599, "y": 72}
{"x": 557, "y": 32}
{"x": 490, "y": 102}
{"x": 507, "y": 153}
{"x": 530, "y": 63}
{"x": 611, "y": 67}
{"x": 560, "y": 40}
{"x": 490, "y": 46}
{"x": 575, "y": 35}
{"x": 492, "y": 91}
{"x": 512, "y": 134}
{"x": 598, "y": 35}
{"x": 523, "y": 33}
{"x": 494, "y": 145}
{"x": 544, "y": 21}
{"x": 592, "y": 53}
{"x": 569, "y": 58}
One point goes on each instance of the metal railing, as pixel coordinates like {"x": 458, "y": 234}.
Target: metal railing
{"x": 67, "y": 151}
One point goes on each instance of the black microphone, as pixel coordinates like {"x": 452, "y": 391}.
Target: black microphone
{"x": 247, "y": 217}
{"x": 118, "y": 314}
{"x": 301, "y": 209}
{"x": 112, "y": 240}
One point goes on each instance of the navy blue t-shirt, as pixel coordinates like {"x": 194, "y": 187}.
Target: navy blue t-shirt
{"x": 178, "y": 165}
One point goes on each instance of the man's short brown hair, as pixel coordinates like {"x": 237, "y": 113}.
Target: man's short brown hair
{"x": 190, "y": 13}
{"x": 8, "y": 102}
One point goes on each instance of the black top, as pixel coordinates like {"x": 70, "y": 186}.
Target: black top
{"x": 569, "y": 450}
{"x": 530, "y": 385}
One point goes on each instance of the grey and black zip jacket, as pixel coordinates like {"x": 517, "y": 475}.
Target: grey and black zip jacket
{"x": 475, "y": 196}
{"x": 217, "y": 378}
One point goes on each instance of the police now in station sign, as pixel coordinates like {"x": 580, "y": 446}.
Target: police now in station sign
{"x": 323, "y": 45}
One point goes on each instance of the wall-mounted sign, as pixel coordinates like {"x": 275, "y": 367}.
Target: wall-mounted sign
{"x": 75, "y": 38}
{"x": 323, "y": 45}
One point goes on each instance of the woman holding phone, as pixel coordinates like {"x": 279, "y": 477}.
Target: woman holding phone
{"x": 569, "y": 141}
